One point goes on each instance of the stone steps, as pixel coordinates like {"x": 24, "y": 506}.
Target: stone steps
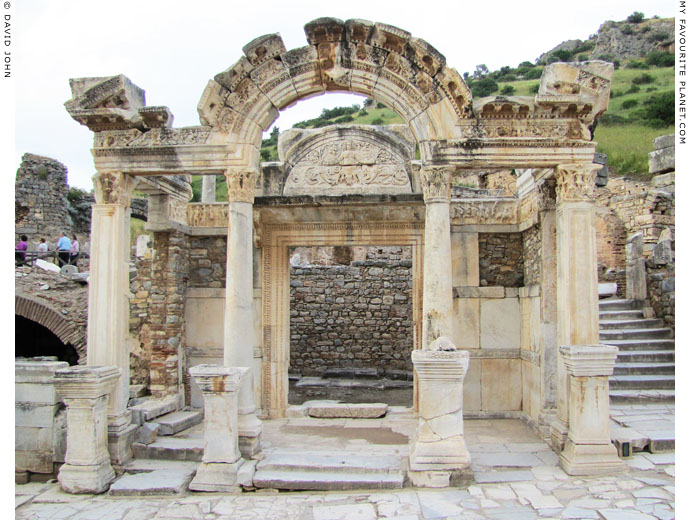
{"x": 170, "y": 448}
{"x": 645, "y": 323}
{"x": 631, "y": 368}
{"x": 154, "y": 478}
{"x": 324, "y": 471}
{"x": 659, "y": 333}
{"x": 175, "y": 422}
{"x": 645, "y": 366}
{"x": 647, "y": 382}
{"x": 151, "y": 409}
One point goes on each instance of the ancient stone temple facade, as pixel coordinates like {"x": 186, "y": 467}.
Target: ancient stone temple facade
{"x": 504, "y": 283}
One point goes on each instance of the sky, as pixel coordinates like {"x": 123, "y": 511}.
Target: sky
{"x": 171, "y": 50}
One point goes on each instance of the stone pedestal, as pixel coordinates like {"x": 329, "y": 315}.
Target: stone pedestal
{"x": 85, "y": 390}
{"x": 437, "y": 298}
{"x": 438, "y": 453}
{"x": 221, "y": 460}
{"x": 239, "y": 336}
{"x": 588, "y": 449}
{"x": 108, "y": 312}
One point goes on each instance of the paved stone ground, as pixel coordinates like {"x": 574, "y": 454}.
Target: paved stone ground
{"x": 517, "y": 477}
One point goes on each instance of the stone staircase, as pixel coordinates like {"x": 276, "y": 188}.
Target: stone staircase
{"x": 322, "y": 471}
{"x": 645, "y": 368}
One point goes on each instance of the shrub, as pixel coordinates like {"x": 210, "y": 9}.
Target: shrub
{"x": 508, "y": 90}
{"x": 629, "y": 103}
{"x": 76, "y": 194}
{"x": 380, "y": 105}
{"x": 534, "y": 73}
{"x": 643, "y": 79}
{"x": 659, "y": 110}
{"x": 265, "y": 155}
{"x": 658, "y": 36}
{"x": 613, "y": 94}
{"x": 344, "y": 119}
{"x": 484, "y": 87}
{"x": 534, "y": 88}
{"x": 636, "y": 17}
{"x": 363, "y": 113}
{"x": 560, "y": 55}
{"x": 637, "y": 64}
{"x": 650, "y": 89}
{"x": 627, "y": 29}
{"x": 377, "y": 121}
{"x": 660, "y": 59}
{"x": 368, "y": 102}
{"x": 633, "y": 89}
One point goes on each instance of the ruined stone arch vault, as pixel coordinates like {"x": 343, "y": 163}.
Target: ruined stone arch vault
{"x": 377, "y": 60}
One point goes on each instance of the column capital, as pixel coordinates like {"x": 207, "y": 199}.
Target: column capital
{"x": 113, "y": 188}
{"x": 546, "y": 195}
{"x": 218, "y": 379}
{"x": 575, "y": 182}
{"x": 436, "y": 183}
{"x": 85, "y": 382}
{"x": 241, "y": 184}
{"x": 589, "y": 360}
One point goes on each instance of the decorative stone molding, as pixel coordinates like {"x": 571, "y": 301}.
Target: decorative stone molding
{"x": 208, "y": 215}
{"x": 241, "y": 184}
{"x": 438, "y": 450}
{"x": 589, "y": 360}
{"x": 575, "y": 182}
{"x": 483, "y": 212}
{"x": 85, "y": 391}
{"x": 221, "y": 460}
{"x": 436, "y": 183}
{"x": 113, "y": 188}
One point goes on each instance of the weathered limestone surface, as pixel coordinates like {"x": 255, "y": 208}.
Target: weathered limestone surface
{"x": 439, "y": 443}
{"x": 351, "y": 411}
{"x": 663, "y": 158}
{"x": 221, "y": 459}
{"x": 86, "y": 390}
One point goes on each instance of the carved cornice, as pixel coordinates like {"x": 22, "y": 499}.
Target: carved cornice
{"x": 575, "y": 182}
{"x": 241, "y": 184}
{"x": 436, "y": 183}
{"x": 113, "y": 188}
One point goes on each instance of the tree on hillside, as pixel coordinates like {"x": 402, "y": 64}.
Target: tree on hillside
{"x": 636, "y": 17}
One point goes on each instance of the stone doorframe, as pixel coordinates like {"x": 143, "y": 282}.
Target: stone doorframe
{"x": 276, "y": 239}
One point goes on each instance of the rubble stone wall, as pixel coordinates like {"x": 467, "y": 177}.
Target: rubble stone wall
{"x": 352, "y": 316}
{"x": 207, "y": 261}
{"x": 501, "y": 259}
{"x": 531, "y": 240}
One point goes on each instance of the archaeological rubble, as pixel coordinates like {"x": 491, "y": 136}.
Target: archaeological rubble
{"x": 463, "y": 284}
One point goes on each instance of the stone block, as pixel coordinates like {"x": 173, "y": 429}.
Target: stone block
{"x": 158, "y": 482}
{"x": 28, "y": 414}
{"x": 500, "y": 323}
{"x": 34, "y": 461}
{"x": 26, "y": 439}
{"x": 37, "y": 393}
{"x": 148, "y": 432}
{"x": 466, "y": 323}
{"x": 501, "y": 384}
{"x": 663, "y": 160}
{"x": 472, "y": 386}
{"x": 664, "y": 141}
{"x": 36, "y": 371}
{"x": 353, "y": 411}
{"x": 465, "y": 258}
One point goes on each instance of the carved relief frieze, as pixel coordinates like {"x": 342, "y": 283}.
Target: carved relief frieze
{"x": 348, "y": 166}
{"x": 113, "y": 188}
{"x": 575, "y": 182}
{"x": 436, "y": 183}
{"x": 177, "y": 210}
{"x": 154, "y": 137}
{"x": 498, "y": 128}
{"x": 207, "y": 215}
{"x": 484, "y": 212}
{"x": 241, "y": 184}
{"x": 529, "y": 206}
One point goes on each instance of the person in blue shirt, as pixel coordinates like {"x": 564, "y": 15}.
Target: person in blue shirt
{"x": 63, "y": 247}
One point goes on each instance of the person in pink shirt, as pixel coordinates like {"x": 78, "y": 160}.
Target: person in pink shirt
{"x": 20, "y": 250}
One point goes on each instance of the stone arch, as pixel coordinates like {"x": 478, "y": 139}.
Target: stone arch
{"x": 378, "y": 60}
{"x": 34, "y": 310}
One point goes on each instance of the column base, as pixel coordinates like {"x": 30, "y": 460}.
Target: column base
{"x": 590, "y": 459}
{"x": 249, "y": 446}
{"x": 86, "y": 479}
{"x": 217, "y": 476}
{"x": 559, "y": 433}
{"x": 120, "y": 445}
{"x": 446, "y": 454}
{"x": 249, "y": 430}
{"x": 461, "y": 478}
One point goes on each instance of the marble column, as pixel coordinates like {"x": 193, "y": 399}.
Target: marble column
{"x": 577, "y": 300}
{"x": 588, "y": 449}
{"x": 221, "y": 460}
{"x": 208, "y": 188}
{"x": 239, "y": 336}
{"x": 108, "y": 306}
{"x": 85, "y": 391}
{"x": 437, "y": 298}
{"x": 438, "y": 454}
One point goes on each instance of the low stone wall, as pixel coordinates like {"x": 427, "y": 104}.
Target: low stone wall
{"x": 501, "y": 260}
{"x": 351, "y": 316}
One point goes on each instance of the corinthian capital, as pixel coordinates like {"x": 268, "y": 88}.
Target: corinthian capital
{"x": 436, "y": 183}
{"x": 113, "y": 188}
{"x": 575, "y": 182}
{"x": 241, "y": 184}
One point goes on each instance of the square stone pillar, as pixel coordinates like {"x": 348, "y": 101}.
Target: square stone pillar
{"x": 588, "y": 449}
{"x": 85, "y": 390}
{"x": 221, "y": 460}
{"x": 438, "y": 453}
{"x": 437, "y": 297}
{"x": 208, "y": 188}
{"x": 108, "y": 308}
{"x": 577, "y": 300}
{"x": 239, "y": 337}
